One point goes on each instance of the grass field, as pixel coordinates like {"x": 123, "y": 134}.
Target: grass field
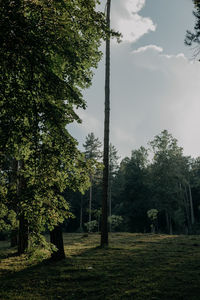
{"x": 135, "y": 266}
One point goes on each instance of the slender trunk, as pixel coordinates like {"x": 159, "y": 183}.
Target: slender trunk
{"x": 90, "y": 201}
{"x": 104, "y": 226}
{"x": 13, "y": 181}
{"x": 167, "y": 220}
{"x": 170, "y": 225}
{"x": 23, "y": 232}
{"x": 110, "y": 204}
{"x": 98, "y": 223}
{"x": 22, "y": 235}
{"x": 56, "y": 238}
{"x": 187, "y": 221}
{"x": 191, "y": 205}
{"x": 81, "y": 214}
{"x": 186, "y": 202}
{"x": 14, "y": 238}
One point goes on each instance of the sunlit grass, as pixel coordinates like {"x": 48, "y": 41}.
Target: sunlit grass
{"x": 135, "y": 266}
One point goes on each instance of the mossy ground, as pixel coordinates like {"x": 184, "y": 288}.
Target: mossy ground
{"x": 135, "y": 266}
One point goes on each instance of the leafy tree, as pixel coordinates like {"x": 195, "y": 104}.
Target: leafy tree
{"x": 131, "y": 193}
{"x": 194, "y": 37}
{"x": 153, "y": 215}
{"x": 47, "y": 51}
{"x": 92, "y": 152}
{"x": 168, "y": 175}
{"x": 113, "y": 168}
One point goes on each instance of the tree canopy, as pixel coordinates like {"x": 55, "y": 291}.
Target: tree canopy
{"x": 47, "y": 53}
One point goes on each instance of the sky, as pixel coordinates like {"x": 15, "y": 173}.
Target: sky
{"x": 155, "y": 81}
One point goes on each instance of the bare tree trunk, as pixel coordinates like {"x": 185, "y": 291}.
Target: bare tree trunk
{"x": 90, "y": 201}
{"x": 184, "y": 197}
{"x": 13, "y": 181}
{"x": 56, "y": 238}
{"x": 14, "y": 238}
{"x": 104, "y": 226}
{"x": 191, "y": 205}
{"x": 186, "y": 202}
{"x": 23, "y": 232}
{"x": 110, "y": 204}
{"x": 170, "y": 225}
{"x": 167, "y": 220}
{"x": 81, "y": 214}
{"x": 22, "y": 235}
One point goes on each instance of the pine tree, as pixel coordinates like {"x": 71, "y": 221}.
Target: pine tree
{"x": 92, "y": 152}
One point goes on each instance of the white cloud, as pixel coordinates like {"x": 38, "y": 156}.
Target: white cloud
{"x": 125, "y": 18}
{"x": 152, "y": 48}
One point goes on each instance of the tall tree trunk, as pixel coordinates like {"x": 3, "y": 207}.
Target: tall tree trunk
{"x": 167, "y": 220}
{"x": 13, "y": 181}
{"x": 56, "y": 238}
{"x": 110, "y": 203}
{"x": 81, "y": 215}
{"x": 186, "y": 202}
{"x": 191, "y": 205}
{"x": 14, "y": 238}
{"x": 22, "y": 235}
{"x": 170, "y": 225}
{"x": 23, "y": 232}
{"x": 184, "y": 197}
{"x": 104, "y": 225}
{"x": 90, "y": 201}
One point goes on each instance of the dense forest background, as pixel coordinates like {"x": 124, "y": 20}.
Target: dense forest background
{"x": 154, "y": 190}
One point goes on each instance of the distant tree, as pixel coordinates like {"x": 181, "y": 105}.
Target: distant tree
{"x": 153, "y": 216}
{"x": 131, "y": 192}
{"x": 168, "y": 177}
{"x": 194, "y": 37}
{"x": 113, "y": 168}
{"x": 93, "y": 153}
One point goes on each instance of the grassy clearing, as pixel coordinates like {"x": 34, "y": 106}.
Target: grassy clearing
{"x": 135, "y": 266}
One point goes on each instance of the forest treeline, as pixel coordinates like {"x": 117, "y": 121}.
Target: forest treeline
{"x": 155, "y": 190}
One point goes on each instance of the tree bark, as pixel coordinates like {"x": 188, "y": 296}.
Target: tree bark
{"x": 104, "y": 224}
{"x": 56, "y": 238}
{"x": 170, "y": 226}
{"x": 191, "y": 205}
{"x": 81, "y": 215}
{"x": 186, "y": 202}
{"x": 110, "y": 203}
{"x": 14, "y": 238}
{"x": 90, "y": 201}
{"x": 23, "y": 232}
{"x": 22, "y": 235}
{"x": 13, "y": 181}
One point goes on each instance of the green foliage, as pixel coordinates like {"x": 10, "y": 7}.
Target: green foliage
{"x": 152, "y": 214}
{"x": 194, "y": 37}
{"x": 92, "y": 147}
{"x": 115, "y": 221}
{"x": 91, "y": 226}
{"x": 47, "y": 53}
